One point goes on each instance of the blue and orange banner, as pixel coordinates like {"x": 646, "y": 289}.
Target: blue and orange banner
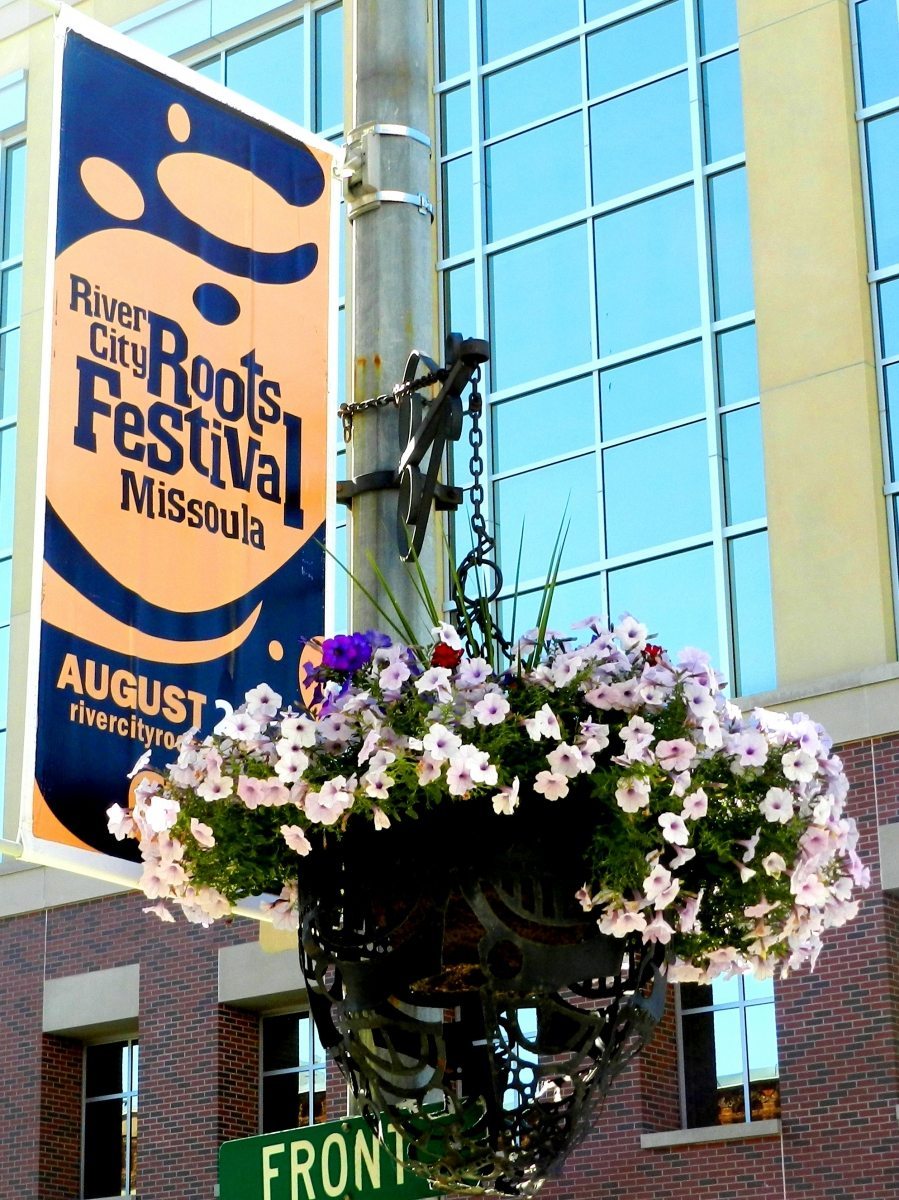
{"x": 186, "y": 425}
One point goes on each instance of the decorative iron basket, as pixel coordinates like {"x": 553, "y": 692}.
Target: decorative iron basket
{"x": 465, "y": 996}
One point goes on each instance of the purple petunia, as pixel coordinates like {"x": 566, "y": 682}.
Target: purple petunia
{"x": 346, "y": 652}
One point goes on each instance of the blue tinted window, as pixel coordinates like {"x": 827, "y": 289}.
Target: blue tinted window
{"x": 211, "y": 69}
{"x": 604, "y": 8}
{"x": 510, "y": 25}
{"x": 732, "y": 262}
{"x": 722, "y": 107}
{"x": 717, "y": 24}
{"x": 641, "y": 137}
{"x": 647, "y": 271}
{"x": 888, "y": 300}
{"x": 744, "y": 471}
{"x": 455, "y": 114}
{"x": 458, "y": 206}
{"x": 5, "y": 594}
{"x": 883, "y": 154}
{"x": 648, "y": 499}
{"x": 570, "y": 602}
{"x": 540, "y": 309}
{"x": 637, "y": 48}
{"x": 460, "y": 301}
{"x": 738, "y": 365}
{"x": 329, "y": 68}
{"x": 674, "y": 596}
{"x": 340, "y": 388}
{"x": 7, "y": 486}
{"x": 752, "y": 617}
{"x": 891, "y": 390}
{"x": 544, "y": 424}
{"x": 539, "y": 87}
{"x": 535, "y": 177}
{"x": 652, "y": 391}
{"x": 14, "y": 207}
{"x": 11, "y": 296}
{"x": 341, "y": 580}
{"x": 9, "y": 374}
{"x": 878, "y": 49}
{"x": 270, "y": 71}
{"x": 567, "y": 493}
{"x": 453, "y": 38}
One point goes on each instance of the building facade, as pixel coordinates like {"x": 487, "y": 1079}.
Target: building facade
{"x": 676, "y": 224}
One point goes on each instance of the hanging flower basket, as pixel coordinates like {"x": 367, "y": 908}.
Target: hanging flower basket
{"x": 492, "y": 872}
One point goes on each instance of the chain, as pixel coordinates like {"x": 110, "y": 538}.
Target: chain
{"x": 347, "y": 411}
{"x": 483, "y": 553}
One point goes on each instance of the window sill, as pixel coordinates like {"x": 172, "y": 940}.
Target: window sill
{"x": 709, "y": 1133}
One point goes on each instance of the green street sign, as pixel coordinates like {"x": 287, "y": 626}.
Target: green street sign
{"x": 337, "y": 1160}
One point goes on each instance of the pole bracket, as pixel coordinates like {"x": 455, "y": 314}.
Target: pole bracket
{"x": 363, "y": 170}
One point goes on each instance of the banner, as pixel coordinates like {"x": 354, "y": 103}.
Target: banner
{"x": 185, "y": 427}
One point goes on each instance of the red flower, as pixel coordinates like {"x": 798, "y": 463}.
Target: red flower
{"x": 445, "y": 656}
{"x": 652, "y": 653}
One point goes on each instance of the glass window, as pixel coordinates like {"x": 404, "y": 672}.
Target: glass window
{"x": 517, "y": 199}
{"x": 647, "y": 500}
{"x": 7, "y": 484}
{"x": 5, "y": 590}
{"x": 11, "y": 296}
{"x": 891, "y": 394}
{"x": 544, "y": 424}
{"x": 888, "y": 303}
{"x": 211, "y": 69}
{"x": 635, "y": 49}
{"x": 717, "y": 24}
{"x": 728, "y": 1045}
{"x": 510, "y": 25}
{"x": 453, "y": 38}
{"x": 738, "y": 365}
{"x": 883, "y": 154}
{"x": 647, "y": 271}
{"x": 458, "y": 206}
{"x": 329, "y": 68}
{"x": 674, "y": 596}
{"x": 109, "y": 1148}
{"x": 604, "y": 8}
{"x": 571, "y": 602}
{"x": 293, "y": 1073}
{"x": 750, "y": 575}
{"x": 14, "y": 202}
{"x": 641, "y": 137}
{"x": 551, "y": 331}
{"x": 567, "y": 492}
{"x": 722, "y": 105}
{"x": 538, "y": 87}
{"x": 731, "y": 258}
{"x": 455, "y": 119}
{"x": 878, "y": 49}
{"x": 460, "y": 300}
{"x": 9, "y": 374}
{"x": 652, "y": 391}
{"x": 744, "y": 472}
{"x": 270, "y": 71}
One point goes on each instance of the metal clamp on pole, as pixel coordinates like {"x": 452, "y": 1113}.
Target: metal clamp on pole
{"x": 363, "y": 171}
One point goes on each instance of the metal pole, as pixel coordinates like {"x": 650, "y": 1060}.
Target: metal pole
{"x": 391, "y": 277}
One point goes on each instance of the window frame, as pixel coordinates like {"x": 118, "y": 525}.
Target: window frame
{"x": 313, "y": 1067}
{"x": 130, "y": 1098}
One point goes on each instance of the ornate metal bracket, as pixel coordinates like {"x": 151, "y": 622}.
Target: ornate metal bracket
{"x": 425, "y": 428}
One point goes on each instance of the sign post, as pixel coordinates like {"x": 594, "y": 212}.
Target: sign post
{"x": 336, "y": 1159}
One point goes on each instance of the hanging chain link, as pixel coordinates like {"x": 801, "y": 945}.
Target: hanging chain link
{"x": 476, "y": 612}
{"x": 348, "y": 410}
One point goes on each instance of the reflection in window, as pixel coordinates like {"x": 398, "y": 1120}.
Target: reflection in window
{"x": 729, "y": 210}
{"x": 455, "y": 117}
{"x": 109, "y": 1146}
{"x": 728, "y": 1046}
{"x": 883, "y": 153}
{"x": 744, "y": 474}
{"x": 647, "y": 271}
{"x": 738, "y": 365}
{"x": 458, "y": 203}
{"x": 641, "y": 137}
{"x": 717, "y": 24}
{"x": 636, "y": 49}
{"x": 649, "y": 500}
{"x": 673, "y": 595}
{"x": 878, "y": 37}
{"x": 652, "y": 391}
{"x": 722, "y": 107}
{"x": 294, "y": 1075}
{"x": 753, "y": 618}
{"x": 567, "y": 494}
{"x": 538, "y": 87}
{"x": 551, "y": 331}
{"x": 544, "y": 424}
{"x": 329, "y": 68}
{"x": 270, "y": 71}
{"x": 510, "y": 25}
{"x": 513, "y": 202}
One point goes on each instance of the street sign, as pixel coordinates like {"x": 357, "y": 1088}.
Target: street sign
{"x": 336, "y": 1159}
